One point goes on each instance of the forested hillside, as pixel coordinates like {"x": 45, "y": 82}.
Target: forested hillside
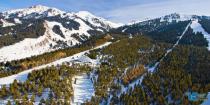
{"x": 123, "y": 76}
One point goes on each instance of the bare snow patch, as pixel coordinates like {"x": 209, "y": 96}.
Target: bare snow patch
{"x": 6, "y": 23}
{"x": 17, "y": 21}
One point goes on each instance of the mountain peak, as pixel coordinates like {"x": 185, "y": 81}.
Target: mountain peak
{"x": 40, "y": 11}
{"x": 178, "y": 17}
{"x": 37, "y": 9}
{"x": 85, "y": 14}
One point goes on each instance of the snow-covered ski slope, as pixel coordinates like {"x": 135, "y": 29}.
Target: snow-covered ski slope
{"x": 83, "y": 89}
{"x": 22, "y": 76}
{"x": 197, "y": 27}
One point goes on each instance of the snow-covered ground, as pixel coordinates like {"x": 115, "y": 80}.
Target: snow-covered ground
{"x": 22, "y": 76}
{"x": 197, "y": 27}
{"x": 83, "y": 89}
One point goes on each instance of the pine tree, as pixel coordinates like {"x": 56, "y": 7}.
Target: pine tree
{"x": 9, "y": 103}
{"x": 3, "y": 91}
{"x": 33, "y": 98}
{"x": 39, "y": 91}
{"x": 42, "y": 101}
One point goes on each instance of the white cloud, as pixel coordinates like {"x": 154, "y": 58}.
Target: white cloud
{"x": 152, "y": 10}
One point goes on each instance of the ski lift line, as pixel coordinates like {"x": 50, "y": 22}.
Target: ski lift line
{"x": 139, "y": 81}
{"x": 171, "y": 49}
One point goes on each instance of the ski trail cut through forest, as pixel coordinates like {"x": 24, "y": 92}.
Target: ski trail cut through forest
{"x": 131, "y": 85}
{"x": 152, "y": 69}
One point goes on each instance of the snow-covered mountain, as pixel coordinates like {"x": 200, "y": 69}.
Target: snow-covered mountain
{"x": 39, "y": 29}
{"x": 177, "y": 17}
{"x": 169, "y": 28}
{"x": 39, "y": 11}
{"x": 171, "y": 18}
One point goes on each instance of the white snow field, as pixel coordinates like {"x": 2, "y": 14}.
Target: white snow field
{"x": 197, "y": 27}
{"x": 22, "y": 76}
{"x": 83, "y": 89}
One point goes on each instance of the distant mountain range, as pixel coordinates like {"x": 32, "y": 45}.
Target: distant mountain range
{"x": 40, "y": 29}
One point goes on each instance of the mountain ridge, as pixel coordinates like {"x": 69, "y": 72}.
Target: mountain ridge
{"x": 171, "y": 17}
{"x": 40, "y": 29}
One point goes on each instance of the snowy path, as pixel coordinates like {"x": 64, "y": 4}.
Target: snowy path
{"x": 83, "y": 89}
{"x": 22, "y": 76}
{"x": 152, "y": 69}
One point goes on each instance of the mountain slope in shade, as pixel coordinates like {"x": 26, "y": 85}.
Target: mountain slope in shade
{"x": 39, "y": 29}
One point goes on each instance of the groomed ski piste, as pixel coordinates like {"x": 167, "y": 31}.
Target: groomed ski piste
{"x": 83, "y": 89}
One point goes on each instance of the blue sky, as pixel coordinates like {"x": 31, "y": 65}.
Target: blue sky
{"x": 123, "y": 11}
